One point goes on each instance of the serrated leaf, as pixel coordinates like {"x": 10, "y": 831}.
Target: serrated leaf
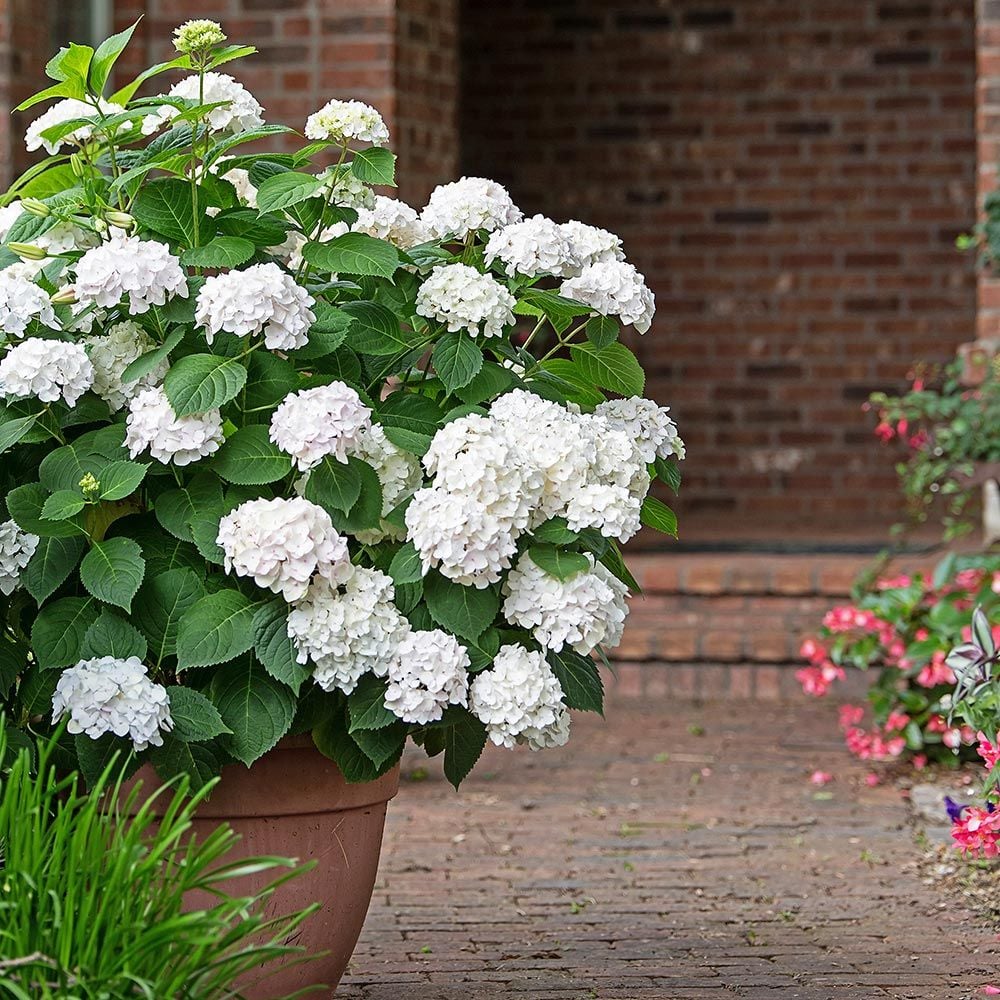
{"x": 12, "y": 431}
{"x": 457, "y": 359}
{"x": 257, "y": 709}
{"x": 668, "y": 471}
{"x": 274, "y": 648}
{"x": 53, "y": 561}
{"x": 202, "y": 382}
{"x": 215, "y": 629}
{"x": 176, "y": 757}
{"x": 164, "y": 206}
{"x": 270, "y": 379}
{"x": 196, "y": 719}
{"x": 285, "y": 189}
{"x": 111, "y": 635}
{"x": 63, "y": 468}
{"x": 559, "y": 311}
{"x": 365, "y": 513}
{"x": 601, "y": 331}
{"x": 558, "y": 562}
{"x": 95, "y": 756}
{"x": 366, "y": 705}
{"x": 384, "y": 745}
{"x": 465, "y": 611}
{"x": 354, "y": 253}
{"x": 220, "y": 251}
{"x": 58, "y": 632}
{"x": 463, "y": 746}
{"x": 555, "y": 531}
{"x": 161, "y": 603}
{"x": 375, "y": 165}
{"x": 613, "y": 367}
{"x": 492, "y": 380}
{"x": 580, "y": 680}
{"x": 328, "y": 332}
{"x": 63, "y": 504}
{"x": 249, "y": 458}
{"x": 121, "y": 479}
{"x": 376, "y": 330}
{"x": 657, "y": 515}
{"x": 145, "y": 363}
{"x": 334, "y": 484}
{"x": 333, "y": 740}
{"x": 406, "y": 565}
{"x": 113, "y": 570}
{"x": 175, "y": 508}
{"x": 106, "y": 56}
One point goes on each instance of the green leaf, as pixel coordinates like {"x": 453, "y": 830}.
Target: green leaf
{"x": 106, "y": 56}
{"x": 270, "y": 379}
{"x": 94, "y": 756}
{"x": 59, "y": 630}
{"x": 612, "y": 559}
{"x": 457, "y": 360}
{"x": 463, "y": 746}
{"x": 13, "y": 662}
{"x": 249, "y": 458}
{"x": 366, "y": 512}
{"x": 289, "y": 188}
{"x": 493, "y": 380}
{"x": 196, "y": 719}
{"x": 174, "y": 509}
{"x": 376, "y": 165}
{"x": 659, "y": 516}
{"x": 161, "y": 603}
{"x": 669, "y": 472}
{"x": 410, "y": 412}
{"x": 366, "y": 705}
{"x": 215, "y": 629}
{"x": 466, "y": 611}
{"x": 220, "y": 251}
{"x": 53, "y": 561}
{"x": 406, "y": 565}
{"x": 555, "y": 531}
{"x": 273, "y": 647}
{"x": 580, "y": 680}
{"x": 63, "y": 468}
{"x": 164, "y": 206}
{"x": 113, "y": 570}
{"x": 573, "y": 383}
{"x": 333, "y": 740}
{"x": 327, "y": 333}
{"x": 560, "y": 563}
{"x": 12, "y": 431}
{"x": 71, "y": 63}
{"x": 176, "y": 757}
{"x": 559, "y": 311}
{"x": 376, "y": 330}
{"x": 121, "y": 479}
{"x": 145, "y": 363}
{"x": 613, "y": 367}
{"x": 353, "y": 253}
{"x": 601, "y": 331}
{"x": 334, "y": 485}
{"x": 63, "y": 504}
{"x": 111, "y": 635}
{"x": 202, "y": 382}
{"x": 257, "y": 709}
{"x": 383, "y": 745}
{"x": 25, "y": 503}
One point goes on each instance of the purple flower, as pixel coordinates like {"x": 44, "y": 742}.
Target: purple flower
{"x": 953, "y": 808}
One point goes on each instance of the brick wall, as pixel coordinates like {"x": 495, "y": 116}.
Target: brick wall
{"x": 988, "y": 138}
{"x": 790, "y": 176}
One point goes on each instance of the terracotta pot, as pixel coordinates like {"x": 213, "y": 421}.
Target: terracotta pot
{"x": 294, "y": 802}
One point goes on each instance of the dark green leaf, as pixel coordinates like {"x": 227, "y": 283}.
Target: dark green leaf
{"x": 249, "y": 458}
{"x": 175, "y": 508}
{"x": 111, "y": 635}
{"x": 613, "y": 367}
{"x": 202, "y": 382}
{"x": 377, "y": 331}
{"x": 196, "y": 719}
{"x": 366, "y": 512}
{"x": 558, "y": 562}
{"x": 13, "y": 431}
{"x": 463, "y": 746}
{"x": 555, "y": 531}
{"x": 257, "y": 709}
{"x": 493, "y": 380}
{"x": 353, "y": 253}
{"x": 580, "y": 680}
{"x": 176, "y": 757}
{"x": 383, "y": 745}
{"x": 53, "y": 561}
{"x": 215, "y": 629}
{"x": 161, "y": 603}
{"x": 659, "y": 516}
{"x": 113, "y": 570}
{"x": 334, "y": 485}
{"x": 457, "y": 360}
{"x": 145, "y": 363}
{"x": 285, "y": 189}
{"x": 366, "y": 705}
{"x": 273, "y": 647}
{"x": 406, "y": 565}
{"x": 466, "y": 611}
{"x": 668, "y": 471}
{"x": 121, "y": 479}
{"x": 601, "y": 331}
{"x": 164, "y": 206}
{"x": 94, "y": 756}
{"x": 62, "y": 504}
{"x": 375, "y": 165}
{"x": 25, "y": 503}
{"x": 220, "y": 251}
{"x": 59, "y": 630}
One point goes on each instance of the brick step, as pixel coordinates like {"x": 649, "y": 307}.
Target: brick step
{"x": 736, "y": 608}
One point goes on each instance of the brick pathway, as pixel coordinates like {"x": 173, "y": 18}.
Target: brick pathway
{"x": 646, "y": 860}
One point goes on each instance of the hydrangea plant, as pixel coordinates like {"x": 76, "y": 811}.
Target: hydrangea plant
{"x": 282, "y": 454}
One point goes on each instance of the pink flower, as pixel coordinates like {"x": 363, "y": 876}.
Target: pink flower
{"x": 919, "y": 440}
{"x": 896, "y": 722}
{"x": 872, "y": 779}
{"x": 919, "y": 761}
{"x": 821, "y": 777}
{"x": 977, "y": 831}
{"x": 990, "y": 752}
{"x": 817, "y": 680}
{"x": 884, "y": 432}
{"x": 921, "y": 634}
{"x": 991, "y": 991}
{"x": 850, "y": 715}
{"x": 936, "y": 672}
{"x": 894, "y": 582}
{"x": 813, "y": 651}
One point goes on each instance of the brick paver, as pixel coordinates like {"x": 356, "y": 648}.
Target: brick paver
{"x": 645, "y": 860}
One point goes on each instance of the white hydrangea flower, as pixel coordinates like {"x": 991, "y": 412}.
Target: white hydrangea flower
{"x": 281, "y": 544}
{"x": 398, "y": 473}
{"x": 144, "y": 270}
{"x": 246, "y": 190}
{"x": 590, "y": 244}
{"x": 347, "y": 634}
{"x": 9, "y": 214}
{"x": 468, "y": 205}
{"x": 533, "y": 247}
{"x": 346, "y": 190}
{"x": 21, "y": 301}
{"x": 614, "y": 288}
{"x": 459, "y": 536}
{"x": 343, "y": 121}
{"x": 152, "y": 424}
{"x": 291, "y": 249}
{"x": 314, "y": 423}
{"x": 391, "y": 220}
{"x": 613, "y": 510}
{"x": 464, "y": 299}
{"x": 109, "y": 695}
{"x": 429, "y": 672}
{"x": 16, "y": 549}
{"x": 240, "y": 112}
{"x": 259, "y": 299}
{"x": 584, "y": 611}
{"x": 547, "y": 737}
{"x": 46, "y": 369}
{"x": 65, "y": 111}
{"x": 518, "y": 698}
{"x": 648, "y": 425}
{"x": 112, "y": 353}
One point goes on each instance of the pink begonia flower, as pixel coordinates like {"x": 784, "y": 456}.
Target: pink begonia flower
{"x": 817, "y": 680}
{"x": 894, "y": 582}
{"x": 850, "y": 715}
{"x": 872, "y": 779}
{"x": 995, "y": 585}
{"x": 919, "y": 761}
{"x": 884, "y": 432}
{"x": 821, "y": 777}
{"x": 977, "y": 832}
{"x": 991, "y": 991}
{"x": 936, "y": 672}
{"x": 813, "y": 651}
{"x": 989, "y": 751}
{"x": 896, "y": 721}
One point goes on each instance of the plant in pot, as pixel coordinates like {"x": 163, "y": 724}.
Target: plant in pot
{"x": 294, "y": 473}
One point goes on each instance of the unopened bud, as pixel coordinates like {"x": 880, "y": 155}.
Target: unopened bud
{"x": 100, "y": 225}
{"x": 77, "y": 165}
{"x": 35, "y": 207}
{"x": 90, "y": 486}
{"x": 28, "y": 251}
{"x": 64, "y": 297}
{"x": 121, "y": 220}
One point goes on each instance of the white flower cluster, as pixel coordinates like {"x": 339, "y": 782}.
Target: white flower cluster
{"x": 281, "y": 544}
{"x": 109, "y": 695}
{"x": 429, "y": 671}
{"x": 520, "y": 700}
{"x": 246, "y": 190}
{"x": 314, "y": 423}
{"x": 464, "y": 299}
{"x": 343, "y": 121}
{"x": 584, "y": 611}
{"x": 350, "y": 632}
{"x": 614, "y": 288}
{"x": 259, "y": 299}
{"x": 16, "y": 549}
{"x": 391, "y": 220}
{"x": 467, "y": 205}
{"x": 238, "y": 111}
{"x": 144, "y": 270}
{"x": 152, "y": 424}
{"x": 112, "y": 353}
{"x": 66, "y": 111}
{"x": 347, "y": 190}
{"x": 647, "y": 425}
{"x": 591, "y": 244}
{"x": 533, "y": 247}
{"x": 398, "y": 473}
{"x": 47, "y": 369}
{"x": 22, "y": 301}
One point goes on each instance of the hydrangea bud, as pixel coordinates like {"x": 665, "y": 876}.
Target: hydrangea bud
{"x": 121, "y": 220}
{"x": 28, "y": 251}
{"x": 64, "y": 297}
{"x": 35, "y": 207}
{"x": 198, "y": 36}
{"x": 90, "y": 486}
